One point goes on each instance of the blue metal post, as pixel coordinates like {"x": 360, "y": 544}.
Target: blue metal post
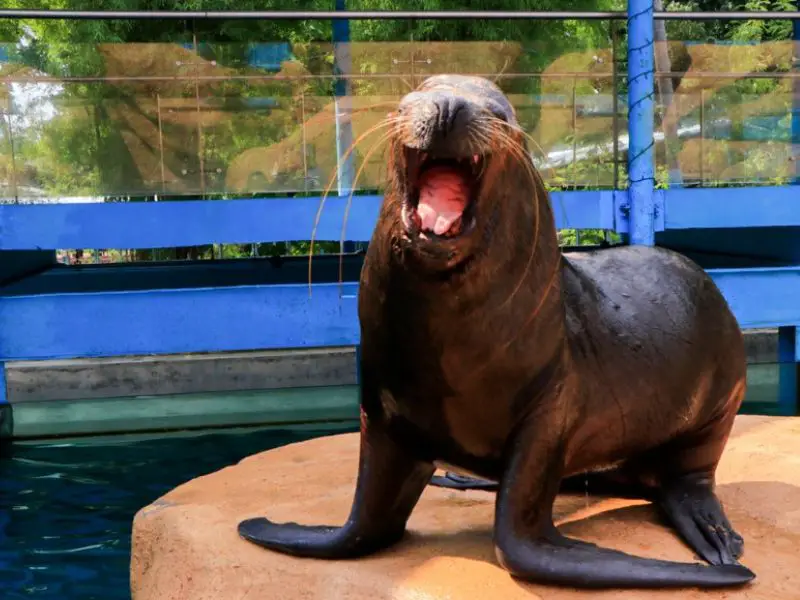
{"x": 3, "y": 392}
{"x": 6, "y": 418}
{"x": 358, "y": 365}
{"x": 787, "y": 371}
{"x": 796, "y": 99}
{"x": 788, "y": 347}
{"x": 641, "y": 67}
{"x": 343, "y": 63}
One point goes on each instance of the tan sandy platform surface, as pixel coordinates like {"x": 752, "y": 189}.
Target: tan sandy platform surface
{"x": 185, "y": 545}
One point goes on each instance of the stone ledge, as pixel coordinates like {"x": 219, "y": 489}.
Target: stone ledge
{"x": 114, "y": 377}
{"x": 185, "y": 545}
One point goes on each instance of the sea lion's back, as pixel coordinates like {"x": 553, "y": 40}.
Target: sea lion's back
{"x": 630, "y": 284}
{"x": 642, "y": 313}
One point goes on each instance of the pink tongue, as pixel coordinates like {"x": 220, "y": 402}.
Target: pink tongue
{"x": 443, "y": 197}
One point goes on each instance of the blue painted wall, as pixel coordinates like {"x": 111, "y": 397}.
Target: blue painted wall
{"x": 177, "y": 321}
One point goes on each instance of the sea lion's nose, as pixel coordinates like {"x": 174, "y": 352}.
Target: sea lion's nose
{"x": 437, "y": 118}
{"x": 451, "y": 113}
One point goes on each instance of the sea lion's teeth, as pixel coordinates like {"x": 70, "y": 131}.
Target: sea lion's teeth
{"x": 476, "y": 159}
{"x": 423, "y": 157}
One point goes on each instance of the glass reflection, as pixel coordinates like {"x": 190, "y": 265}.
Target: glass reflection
{"x": 196, "y": 118}
{"x": 202, "y": 120}
{"x": 725, "y": 112}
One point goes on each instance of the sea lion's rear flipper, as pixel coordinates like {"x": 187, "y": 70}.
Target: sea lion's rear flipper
{"x": 530, "y": 547}
{"x": 563, "y": 561}
{"x": 380, "y": 510}
{"x": 454, "y": 481}
{"x": 695, "y": 511}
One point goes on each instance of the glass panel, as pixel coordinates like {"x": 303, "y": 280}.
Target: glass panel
{"x": 763, "y": 389}
{"x": 725, "y": 93}
{"x": 192, "y": 116}
{"x": 8, "y": 171}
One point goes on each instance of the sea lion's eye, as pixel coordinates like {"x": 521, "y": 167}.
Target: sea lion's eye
{"x": 499, "y": 112}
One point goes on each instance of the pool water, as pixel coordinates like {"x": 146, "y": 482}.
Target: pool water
{"x": 66, "y": 507}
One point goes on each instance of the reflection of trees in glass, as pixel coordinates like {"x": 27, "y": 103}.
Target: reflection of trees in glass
{"x": 110, "y": 137}
{"x": 117, "y": 121}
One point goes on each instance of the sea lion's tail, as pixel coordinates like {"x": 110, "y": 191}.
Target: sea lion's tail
{"x": 574, "y": 563}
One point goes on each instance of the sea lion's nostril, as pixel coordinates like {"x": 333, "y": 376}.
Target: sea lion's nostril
{"x": 459, "y": 109}
{"x": 450, "y": 109}
{"x": 444, "y": 115}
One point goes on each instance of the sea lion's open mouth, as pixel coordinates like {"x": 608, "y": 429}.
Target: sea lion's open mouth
{"x": 441, "y": 194}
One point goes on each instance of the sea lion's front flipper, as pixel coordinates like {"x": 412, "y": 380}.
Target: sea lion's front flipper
{"x": 530, "y": 547}
{"x": 389, "y": 485}
{"x": 695, "y": 511}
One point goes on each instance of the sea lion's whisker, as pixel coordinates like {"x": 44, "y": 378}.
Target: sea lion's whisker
{"x": 535, "y": 312}
{"x": 498, "y": 138}
{"x": 497, "y": 350}
{"x": 485, "y": 140}
{"x": 497, "y": 127}
{"x": 364, "y": 162}
{"x": 531, "y": 172}
{"x": 472, "y": 142}
{"x": 386, "y": 122}
{"x": 502, "y": 71}
{"x": 550, "y": 169}
{"x": 516, "y": 127}
{"x": 533, "y": 141}
{"x": 328, "y": 112}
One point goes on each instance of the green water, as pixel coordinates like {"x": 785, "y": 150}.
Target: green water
{"x": 66, "y": 507}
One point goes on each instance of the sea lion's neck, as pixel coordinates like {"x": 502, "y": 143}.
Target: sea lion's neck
{"x": 515, "y": 261}
{"x": 513, "y": 276}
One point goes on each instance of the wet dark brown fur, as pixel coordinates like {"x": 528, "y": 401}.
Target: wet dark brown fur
{"x": 496, "y": 354}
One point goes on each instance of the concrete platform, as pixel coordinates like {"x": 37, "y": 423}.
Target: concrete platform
{"x": 185, "y": 545}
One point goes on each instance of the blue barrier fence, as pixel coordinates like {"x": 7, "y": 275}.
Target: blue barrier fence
{"x": 263, "y": 220}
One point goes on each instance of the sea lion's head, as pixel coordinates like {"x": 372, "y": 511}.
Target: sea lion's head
{"x": 457, "y": 157}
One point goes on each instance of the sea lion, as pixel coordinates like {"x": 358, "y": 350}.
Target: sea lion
{"x": 485, "y": 348}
